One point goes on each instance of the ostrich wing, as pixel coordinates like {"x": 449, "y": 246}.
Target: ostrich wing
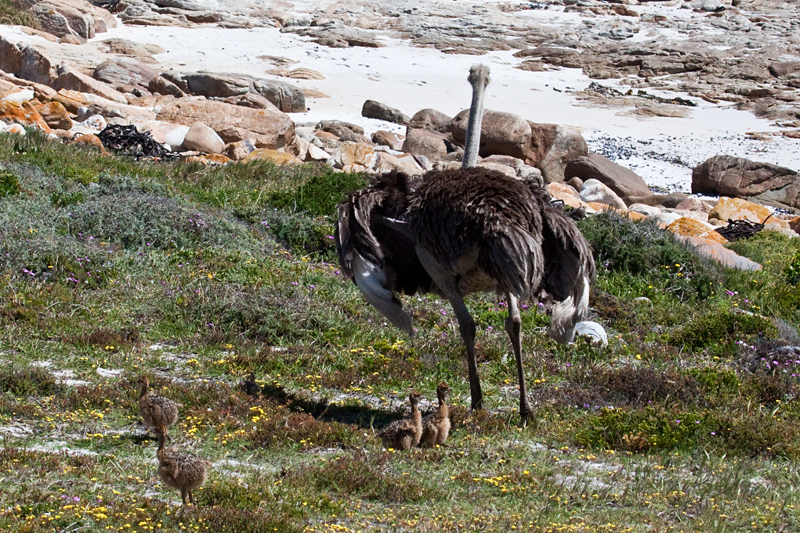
{"x": 376, "y": 248}
{"x": 568, "y": 270}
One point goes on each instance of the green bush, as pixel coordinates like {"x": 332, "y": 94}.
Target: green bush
{"x": 320, "y": 194}
{"x": 13, "y": 12}
{"x": 721, "y": 327}
{"x": 9, "y": 183}
{"x": 645, "y": 251}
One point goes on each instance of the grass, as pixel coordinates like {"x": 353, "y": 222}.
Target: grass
{"x": 221, "y": 286}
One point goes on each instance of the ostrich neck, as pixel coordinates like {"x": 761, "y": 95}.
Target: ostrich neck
{"x": 479, "y": 78}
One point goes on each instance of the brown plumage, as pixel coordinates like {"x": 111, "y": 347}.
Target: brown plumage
{"x": 156, "y": 411}
{"x": 182, "y": 471}
{"x": 454, "y": 232}
{"x": 404, "y": 434}
{"x": 436, "y": 427}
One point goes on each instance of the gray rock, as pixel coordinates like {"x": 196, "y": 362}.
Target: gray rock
{"x": 377, "y": 110}
{"x": 595, "y": 191}
{"x": 552, "y": 147}
{"x": 501, "y": 133}
{"x": 202, "y": 138}
{"x": 430, "y": 119}
{"x": 162, "y": 85}
{"x": 619, "y": 179}
{"x": 426, "y": 143}
{"x": 739, "y": 177}
{"x": 123, "y": 73}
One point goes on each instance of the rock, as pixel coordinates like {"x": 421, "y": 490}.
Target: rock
{"x": 576, "y": 183}
{"x": 736, "y": 176}
{"x": 89, "y": 139}
{"x": 501, "y": 133}
{"x": 784, "y": 68}
{"x": 738, "y": 209}
{"x": 343, "y": 131}
{"x": 75, "y": 81}
{"x": 131, "y": 48}
{"x": 430, "y": 119}
{"x": 315, "y": 153}
{"x": 124, "y": 73}
{"x": 16, "y": 94}
{"x": 97, "y": 105}
{"x": 251, "y": 99}
{"x": 403, "y": 163}
{"x": 240, "y": 149}
{"x": 203, "y": 139}
{"x": 521, "y": 170}
{"x": 569, "y": 196}
{"x": 16, "y": 129}
{"x": 387, "y": 138}
{"x": 664, "y": 200}
{"x": 719, "y": 253}
{"x": 55, "y": 115}
{"x": 355, "y": 157}
{"x": 287, "y": 98}
{"x": 624, "y": 182}
{"x": 209, "y": 160}
{"x": 794, "y": 225}
{"x": 425, "y": 142}
{"x": 694, "y": 204}
{"x": 25, "y": 62}
{"x": 162, "y": 85}
{"x": 164, "y": 132}
{"x": 279, "y": 158}
{"x": 71, "y": 100}
{"x": 23, "y": 114}
{"x": 552, "y": 147}
{"x": 377, "y": 110}
{"x": 595, "y": 191}
{"x": 64, "y": 21}
{"x": 688, "y": 227}
{"x": 593, "y": 331}
{"x": 269, "y": 128}
{"x": 297, "y": 73}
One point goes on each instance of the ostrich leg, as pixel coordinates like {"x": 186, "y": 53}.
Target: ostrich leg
{"x": 466, "y": 324}
{"x": 513, "y": 328}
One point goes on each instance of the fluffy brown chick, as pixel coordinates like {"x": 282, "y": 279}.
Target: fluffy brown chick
{"x": 404, "y": 434}
{"x": 182, "y": 471}
{"x": 436, "y": 427}
{"x": 156, "y": 411}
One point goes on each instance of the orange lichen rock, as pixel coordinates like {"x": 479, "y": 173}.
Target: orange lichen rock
{"x": 689, "y": 227}
{"x": 24, "y": 114}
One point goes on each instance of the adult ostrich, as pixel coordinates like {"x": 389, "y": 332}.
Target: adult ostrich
{"x": 455, "y": 232}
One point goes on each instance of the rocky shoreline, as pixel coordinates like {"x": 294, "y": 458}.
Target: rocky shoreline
{"x": 649, "y": 58}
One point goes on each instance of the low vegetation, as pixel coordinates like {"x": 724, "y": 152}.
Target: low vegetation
{"x": 221, "y": 285}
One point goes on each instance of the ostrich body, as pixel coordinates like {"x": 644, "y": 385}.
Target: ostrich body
{"x": 156, "y": 411}
{"x": 458, "y": 231}
{"x": 404, "y": 434}
{"x": 182, "y": 471}
{"x": 436, "y": 427}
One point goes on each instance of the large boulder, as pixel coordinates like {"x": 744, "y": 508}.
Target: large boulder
{"x": 202, "y": 138}
{"x": 22, "y": 113}
{"x": 75, "y": 81}
{"x": 426, "y": 143}
{"x": 595, "y": 191}
{"x": 552, "y": 147}
{"x": 25, "y": 62}
{"x": 501, "y": 133}
{"x": 623, "y": 181}
{"x": 377, "y": 110}
{"x": 735, "y": 176}
{"x": 55, "y": 115}
{"x": 430, "y": 119}
{"x": 286, "y": 97}
{"x": 269, "y": 128}
{"x": 125, "y": 73}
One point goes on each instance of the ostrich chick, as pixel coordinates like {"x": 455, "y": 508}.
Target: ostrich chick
{"x": 182, "y": 471}
{"x": 156, "y": 411}
{"x": 404, "y": 434}
{"x": 436, "y": 427}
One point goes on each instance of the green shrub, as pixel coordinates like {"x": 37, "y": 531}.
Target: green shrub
{"x": 643, "y": 250}
{"x": 320, "y": 194}
{"x": 720, "y": 327}
{"x": 792, "y": 270}
{"x": 9, "y": 183}
{"x": 13, "y": 12}
{"x": 28, "y": 381}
